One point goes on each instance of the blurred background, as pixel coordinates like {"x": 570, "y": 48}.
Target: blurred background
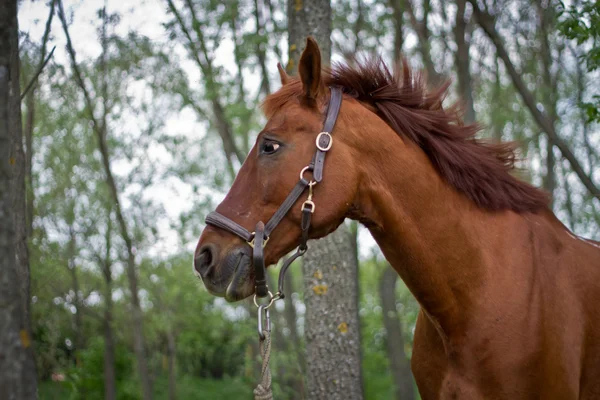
{"x": 137, "y": 125}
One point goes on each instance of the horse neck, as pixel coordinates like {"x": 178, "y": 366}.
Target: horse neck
{"x": 432, "y": 235}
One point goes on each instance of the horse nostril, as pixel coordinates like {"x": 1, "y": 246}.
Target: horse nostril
{"x": 204, "y": 260}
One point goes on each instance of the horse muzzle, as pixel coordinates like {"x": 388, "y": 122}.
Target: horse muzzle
{"x": 227, "y": 276}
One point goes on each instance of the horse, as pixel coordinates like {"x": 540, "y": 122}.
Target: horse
{"x": 509, "y": 297}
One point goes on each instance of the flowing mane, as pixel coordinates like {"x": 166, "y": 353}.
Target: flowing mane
{"x": 475, "y": 167}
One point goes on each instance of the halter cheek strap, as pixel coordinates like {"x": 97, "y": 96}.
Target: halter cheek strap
{"x": 260, "y": 237}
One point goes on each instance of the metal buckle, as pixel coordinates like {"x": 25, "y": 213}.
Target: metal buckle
{"x": 251, "y": 243}
{"x": 328, "y": 143}
{"x": 310, "y": 204}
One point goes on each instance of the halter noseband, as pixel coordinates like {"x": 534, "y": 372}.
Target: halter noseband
{"x": 260, "y": 237}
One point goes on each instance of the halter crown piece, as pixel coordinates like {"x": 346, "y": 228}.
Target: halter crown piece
{"x": 262, "y": 232}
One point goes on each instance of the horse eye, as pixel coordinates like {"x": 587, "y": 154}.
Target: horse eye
{"x": 270, "y": 147}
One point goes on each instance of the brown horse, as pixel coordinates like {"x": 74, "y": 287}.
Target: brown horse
{"x": 510, "y": 298}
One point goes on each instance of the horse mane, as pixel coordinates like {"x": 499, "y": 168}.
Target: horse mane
{"x": 477, "y": 168}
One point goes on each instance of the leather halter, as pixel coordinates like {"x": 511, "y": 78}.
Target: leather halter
{"x": 259, "y": 238}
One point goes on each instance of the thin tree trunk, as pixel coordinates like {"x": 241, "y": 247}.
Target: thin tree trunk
{"x": 398, "y": 9}
{"x": 110, "y": 384}
{"x": 463, "y": 62}
{"x": 486, "y": 22}
{"x": 71, "y": 266}
{"x": 549, "y": 93}
{"x": 100, "y": 131}
{"x": 17, "y": 367}
{"x": 424, "y": 38}
{"x": 29, "y": 125}
{"x": 332, "y": 328}
{"x": 171, "y": 361}
{"x": 291, "y": 319}
{"x": 261, "y": 53}
{"x": 401, "y": 373}
{"x": 497, "y": 127}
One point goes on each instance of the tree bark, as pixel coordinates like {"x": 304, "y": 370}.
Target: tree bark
{"x": 17, "y": 367}
{"x": 330, "y": 270}
{"x": 398, "y": 11}
{"x": 261, "y": 53}
{"x": 308, "y": 18}
{"x": 401, "y": 373}
{"x": 486, "y": 22}
{"x": 332, "y": 325}
{"x": 29, "y": 123}
{"x": 100, "y": 131}
{"x": 463, "y": 62}
{"x": 549, "y": 93}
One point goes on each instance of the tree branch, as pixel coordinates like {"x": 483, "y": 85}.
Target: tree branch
{"x": 223, "y": 128}
{"x": 37, "y": 74}
{"x": 486, "y": 21}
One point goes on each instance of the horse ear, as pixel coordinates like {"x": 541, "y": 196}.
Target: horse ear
{"x": 282, "y": 74}
{"x": 309, "y": 69}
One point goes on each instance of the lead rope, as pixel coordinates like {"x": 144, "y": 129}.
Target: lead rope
{"x": 263, "y": 390}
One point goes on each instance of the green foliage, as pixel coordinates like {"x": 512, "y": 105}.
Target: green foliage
{"x": 86, "y": 379}
{"x": 581, "y": 22}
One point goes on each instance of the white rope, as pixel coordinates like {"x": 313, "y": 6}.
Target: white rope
{"x": 263, "y": 390}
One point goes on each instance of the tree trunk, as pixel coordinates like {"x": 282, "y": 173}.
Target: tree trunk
{"x": 71, "y": 267}
{"x": 332, "y": 325}
{"x": 549, "y": 94}
{"x": 110, "y": 385}
{"x": 330, "y": 270}
{"x": 291, "y": 319}
{"x": 29, "y": 123}
{"x": 308, "y": 18}
{"x": 423, "y": 34}
{"x": 17, "y": 367}
{"x": 401, "y": 373}
{"x": 463, "y": 62}
{"x": 398, "y": 10}
{"x": 171, "y": 357}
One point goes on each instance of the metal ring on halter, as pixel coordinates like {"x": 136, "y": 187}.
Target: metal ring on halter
{"x": 271, "y": 301}
{"x": 307, "y": 168}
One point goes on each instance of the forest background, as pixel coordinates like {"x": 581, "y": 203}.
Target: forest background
{"x": 144, "y": 112}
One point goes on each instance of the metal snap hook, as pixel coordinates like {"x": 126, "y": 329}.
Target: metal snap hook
{"x": 263, "y": 309}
